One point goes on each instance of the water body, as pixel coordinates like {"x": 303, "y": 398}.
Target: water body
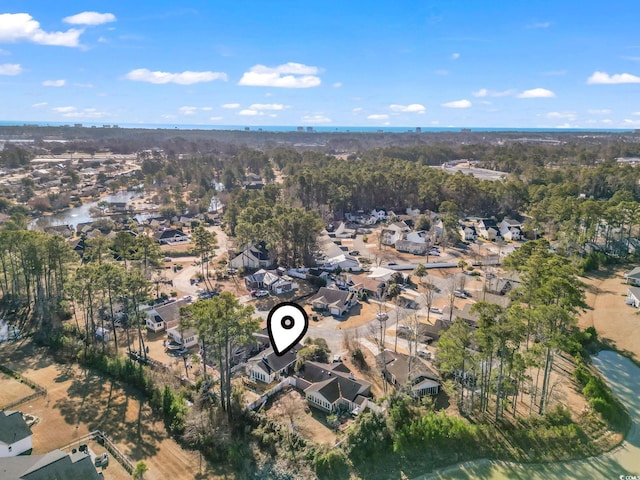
{"x": 316, "y": 128}
{"x": 623, "y": 376}
{"x": 81, "y": 214}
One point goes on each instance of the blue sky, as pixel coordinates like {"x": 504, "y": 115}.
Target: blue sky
{"x": 322, "y": 63}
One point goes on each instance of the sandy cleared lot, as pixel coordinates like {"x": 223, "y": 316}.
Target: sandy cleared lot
{"x": 80, "y": 401}
{"x": 612, "y": 318}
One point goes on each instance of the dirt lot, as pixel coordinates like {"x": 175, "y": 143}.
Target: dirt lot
{"x": 610, "y": 315}
{"x": 309, "y": 422}
{"x": 80, "y": 401}
{"x": 12, "y": 389}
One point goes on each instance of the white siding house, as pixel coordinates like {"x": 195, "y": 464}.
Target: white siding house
{"x": 15, "y": 434}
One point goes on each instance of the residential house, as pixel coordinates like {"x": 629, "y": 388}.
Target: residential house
{"x": 344, "y": 262}
{"x": 53, "y": 465}
{"x": 186, "y": 338}
{"x": 416, "y": 243}
{"x": 633, "y": 277}
{"x": 420, "y": 381}
{"x": 171, "y": 236}
{"x": 269, "y": 280}
{"x": 488, "y": 229}
{"x": 382, "y": 274}
{"x": 501, "y": 286}
{"x": 119, "y": 207}
{"x": 511, "y": 229}
{"x": 336, "y": 302}
{"x": 165, "y": 316}
{"x": 253, "y": 257}
{"x": 332, "y": 387}
{"x": 268, "y": 367}
{"x": 363, "y": 285}
{"x": 633, "y": 296}
{"x": 15, "y": 435}
{"x": 65, "y": 231}
{"x": 468, "y": 232}
{"x": 343, "y": 231}
{"x": 393, "y": 232}
{"x": 436, "y": 231}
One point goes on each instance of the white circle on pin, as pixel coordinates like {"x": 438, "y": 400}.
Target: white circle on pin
{"x": 286, "y": 324}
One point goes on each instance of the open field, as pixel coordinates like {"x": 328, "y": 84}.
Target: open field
{"x": 80, "y": 401}
{"x": 12, "y": 390}
{"x": 612, "y": 318}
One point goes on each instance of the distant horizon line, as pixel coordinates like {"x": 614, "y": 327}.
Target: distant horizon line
{"x": 304, "y": 128}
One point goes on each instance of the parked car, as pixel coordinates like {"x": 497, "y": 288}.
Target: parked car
{"x": 460, "y": 294}
{"x": 434, "y": 253}
{"x": 424, "y": 353}
{"x": 101, "y": 460}
{"x": 435, "y": 310}
{"x": 391, "y": 264}
{"x": 259, "y": 293}
{"x": 354, "y": 252}
{"x": 404, "y": 327}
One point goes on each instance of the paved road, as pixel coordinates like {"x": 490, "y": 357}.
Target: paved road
{"x": 623, "y": 462}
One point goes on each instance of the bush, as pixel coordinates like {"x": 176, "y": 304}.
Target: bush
{"x": 331, "y": 463}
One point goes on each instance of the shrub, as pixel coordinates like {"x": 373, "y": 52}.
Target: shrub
{"x": 331, "y": 463}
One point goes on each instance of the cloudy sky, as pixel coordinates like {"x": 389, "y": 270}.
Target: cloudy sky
{"x": 325, "y": 63}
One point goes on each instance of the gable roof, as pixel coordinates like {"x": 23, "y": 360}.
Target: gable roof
{"x": 269, "y": 362}
{"x": 13, "y": 428}
{"x": 50, "y": 466}
{"x": 635, "y": 273}
{"x": 397, "y": 364}
{"x": 332, "y": 297}
{"x": 170, "y": 312}
{"x": 635, "y": 291}
{"x": 333, "y": 381}
{"x": 169, "y": 233}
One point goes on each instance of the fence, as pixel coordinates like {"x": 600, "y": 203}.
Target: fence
{"x": 39, "y": 390}
{"x": 100, "y": 437}
{"x": 271, "y": 392}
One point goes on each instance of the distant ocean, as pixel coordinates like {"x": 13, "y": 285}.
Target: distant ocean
{"x": 319, "y": 128}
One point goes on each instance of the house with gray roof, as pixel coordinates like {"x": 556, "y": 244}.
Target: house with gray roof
{"x": 55, "y": 465}
{"x": 633, "y": 296}
{"x": 633, "y": 277}
{"x": 418, "y": 381}
{"x": 336, "y": 302}
{"x": 268, "y": 367}
{"x": 15, "y": 435}
{"x": 332, "y": 387}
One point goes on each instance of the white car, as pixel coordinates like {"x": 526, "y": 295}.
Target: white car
{"x": 435, "y": 310}
{"x": 423, "y": 353}
{"x": 260, "y": 293}
{"x": 434, "y": 253}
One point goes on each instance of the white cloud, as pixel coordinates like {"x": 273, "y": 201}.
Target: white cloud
{"x": 64, "y": 109}
{"x": 268, "y": 106}
{"x": 337, "y": 85}
{"x": 378, "y": 116}
{"x": 563, "y": 115}
{"x": 483, "y": 92}
{"x": 607, "y": 121}
{"x": 90, "y": 18}
{"x": 54, "y": 83}
{"x": 635, "y": 113}
{"x": 318, "y": 118}
{"x": 17, "y": 27}
{"x": 187, "y": 110}
{"x": 412, "y": 108}
{"x": 249, "y": 113}
{"x": 603, "y": 111}
{"x": 442, "y": 72}
{"x": 206, "y": 109}
{"x": 39, "y": 105}
{"x": 231, "y": 105}
{"x": 215, "y": 119}
{"x": 288, "y": 75}
{"x": 537, "y": 93}
{"x": 633, "y": 59}
{"x": 356, "y": 109}
{"x": 633, "y": 122}
{"x": 4, "y": 52}
{"x": 168, "y": 116}
{"x": 455, "y": 56}
{"x": 184, "y": 78}
{"x": 10, "y": 69}
{"x": 604, "y": 78}
{"x": 457, "y": 104}
{"x": 83, "y": 85}
{"x": 539, "y": 25}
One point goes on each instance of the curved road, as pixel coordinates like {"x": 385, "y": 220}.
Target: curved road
{"x": 623, "y": 462}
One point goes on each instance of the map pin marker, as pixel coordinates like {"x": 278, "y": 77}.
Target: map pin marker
{"x": 287, "y": 323}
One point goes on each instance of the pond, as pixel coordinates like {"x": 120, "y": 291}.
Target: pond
{"x": 623, "y": 376}
{"x": 81, "y": 214}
